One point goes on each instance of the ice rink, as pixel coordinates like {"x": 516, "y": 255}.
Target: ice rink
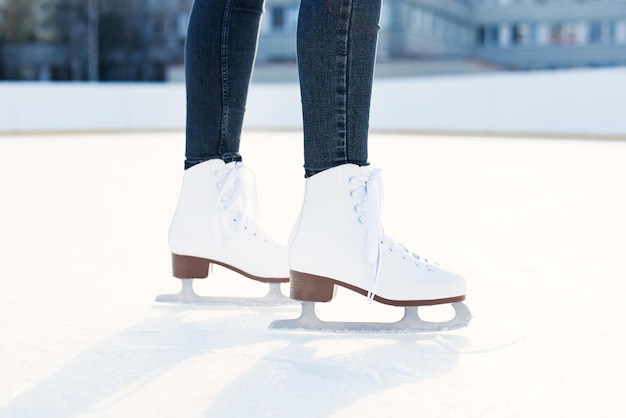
{"x": 538, "y": 227}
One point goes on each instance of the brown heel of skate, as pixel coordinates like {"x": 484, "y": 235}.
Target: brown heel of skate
{"x": 310, "y": 288}
{"x": 188, "y": 267}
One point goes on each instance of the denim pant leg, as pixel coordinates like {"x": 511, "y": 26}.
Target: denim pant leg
{"x": 219, "y": 56}
{"x": 336, "y": 50}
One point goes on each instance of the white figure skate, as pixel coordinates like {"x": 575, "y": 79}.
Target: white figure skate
{"x": 338, "y": 241}
{"x": 215, "y": 223}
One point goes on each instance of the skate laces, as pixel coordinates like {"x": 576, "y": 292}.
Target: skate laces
{"x": 237, "y": 202}
{"x": 405, "y": 253}
{"x": 371, "y": 190}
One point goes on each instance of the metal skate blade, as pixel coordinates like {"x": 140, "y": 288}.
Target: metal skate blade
{"x": 410, "y": 322}
{"x": 187, "y": 295}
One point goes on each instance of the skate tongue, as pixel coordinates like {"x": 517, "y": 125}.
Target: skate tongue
{"x": 237, "y": 203}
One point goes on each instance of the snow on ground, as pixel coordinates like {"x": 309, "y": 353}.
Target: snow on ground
{"x": 538, "y": 226}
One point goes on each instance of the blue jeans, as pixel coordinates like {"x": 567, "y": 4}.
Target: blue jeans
{"x": 336, "y": 49}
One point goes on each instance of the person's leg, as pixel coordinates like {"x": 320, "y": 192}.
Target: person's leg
{"x": 336, "y": 49}
{"x": 215, "y": 221}
{"x": 219, "y": 57}
{"x": 338, "y": 237}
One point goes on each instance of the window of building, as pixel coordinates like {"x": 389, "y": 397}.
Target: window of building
{"x": 278, "y": 19}
{"x": 488, "y": 35}
{"x": 480, "y": 36}
{"x": 620, "y": 32}
{"x": 521, "y": 34}
{"x": 556, "y": 34}
{"x": 542, "y": 33}
{"x": 562, "y": 34}
{"x": 568, "y": 34}
{"x": 158, "y": 26}
{"x": 606, "y": 32}
{"x": 610, "y": 31}
{"x": 595, "y": 32}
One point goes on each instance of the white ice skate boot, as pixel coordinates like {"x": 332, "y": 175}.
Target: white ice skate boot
{"x": 338, "y": 240}
{"x": 213, "y": 225}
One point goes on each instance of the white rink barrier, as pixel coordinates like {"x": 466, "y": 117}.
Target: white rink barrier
{"x": 576, "y": 102}
{"x": 90, "y": 106}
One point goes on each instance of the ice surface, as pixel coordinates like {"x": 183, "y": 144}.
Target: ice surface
{"x": 538, "y": 226}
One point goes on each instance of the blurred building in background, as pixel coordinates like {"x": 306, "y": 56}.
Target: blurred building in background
{"x": 540, "y": 34}
{"x": 110, "y": 40}
{"x": 517, "y": 34}
{"x": 142, "y": 40}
